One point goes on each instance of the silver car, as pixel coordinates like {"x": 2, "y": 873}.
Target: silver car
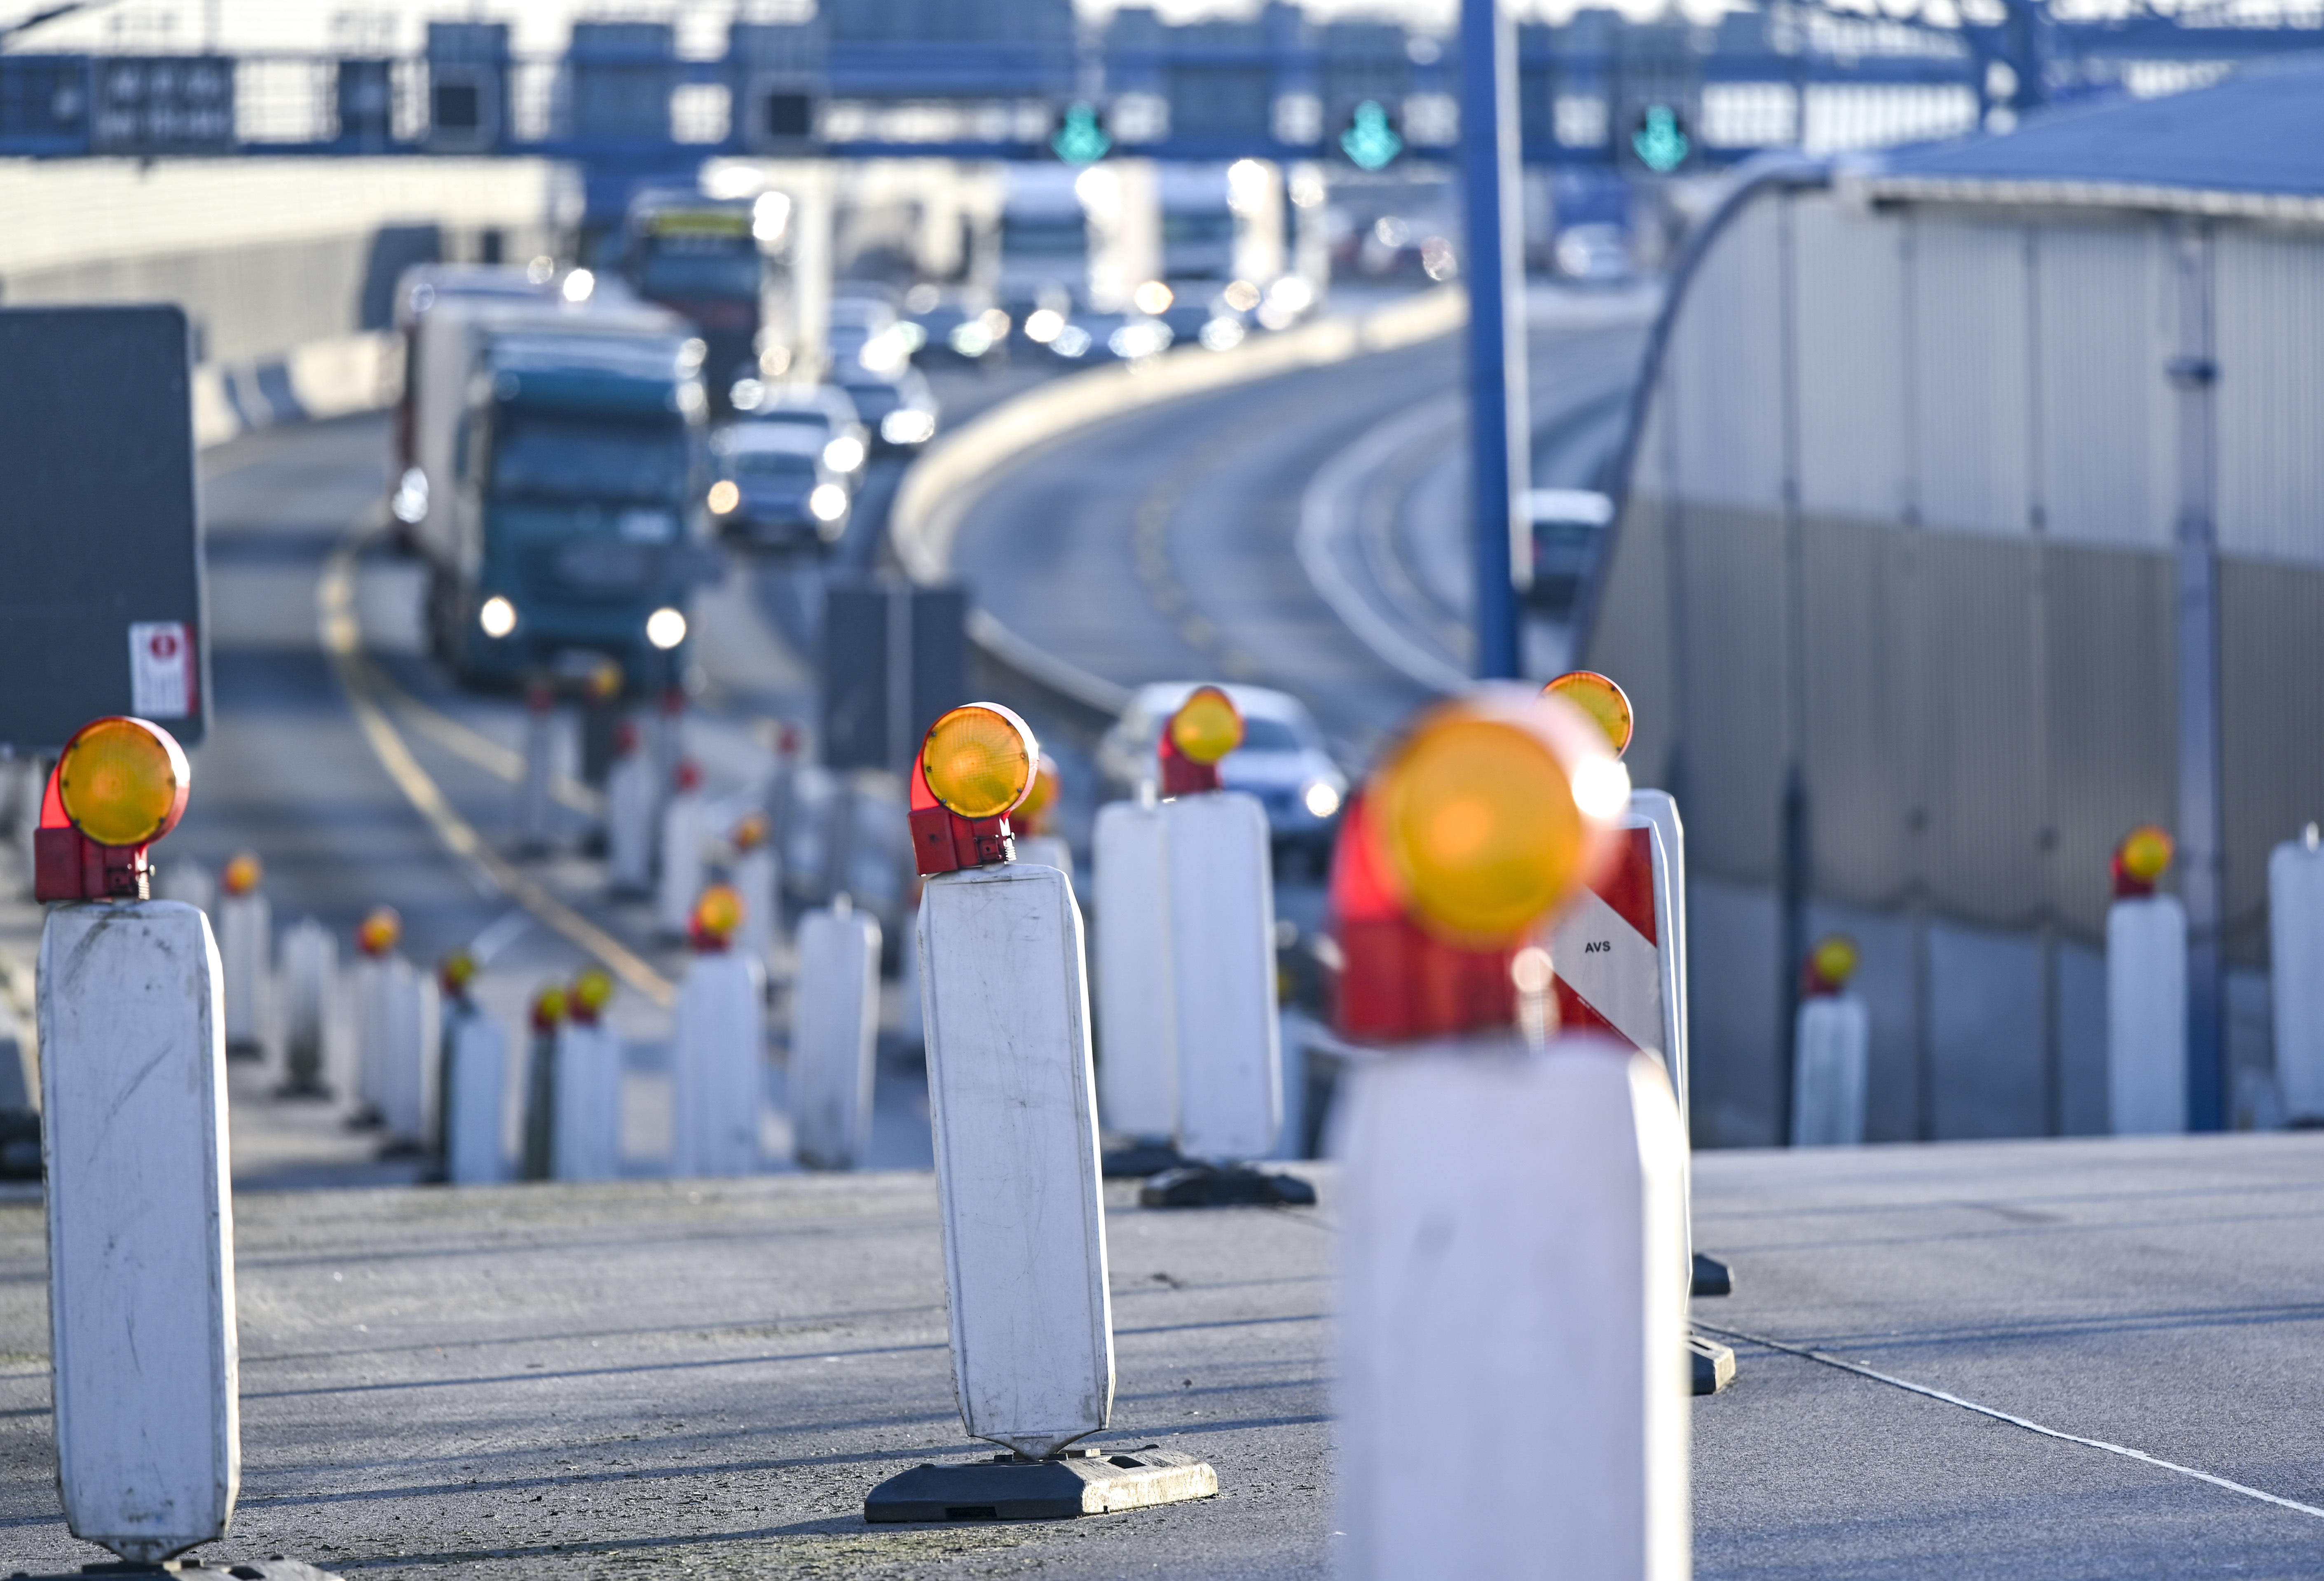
{"x": 1282, "y": 760}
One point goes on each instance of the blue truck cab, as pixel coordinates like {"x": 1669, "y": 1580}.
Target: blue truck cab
{"x": 576, "y": 522}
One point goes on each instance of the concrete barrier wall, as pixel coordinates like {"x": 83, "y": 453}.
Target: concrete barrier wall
{"x": 264, "y": 255}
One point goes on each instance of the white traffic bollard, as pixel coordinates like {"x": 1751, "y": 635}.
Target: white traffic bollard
{"x": 1015, "y": 1121}
{"x": 678, "y": 880}
{"x": 474, "y": 1083}
{"x": 585, "y": 1144}
{"x": 757, "y": 878}
{"x": 140, "y": 1215}
{"x": 245, "y": 932}
{"x": 2146, "y": 994}
{"x": 396, "y": 1033}
{"x": 2295, "y": 937}
{"x": 1218, "y": 905}
{"x": 1512, "y": 1204}
{"x": 311, "y": 985}
{"x": 834, "y": 1032}
{"x": 1831, "y": 1060}
{"x": 717, "y": 1049}
{"x": 535, "y": 808}
{"x": 630, "y": 814}
{"x": 1137, "y": 1070}
{"x": 1511, "y": 1228}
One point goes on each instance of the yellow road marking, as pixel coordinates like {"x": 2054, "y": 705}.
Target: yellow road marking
{"x": 365, "y": 688}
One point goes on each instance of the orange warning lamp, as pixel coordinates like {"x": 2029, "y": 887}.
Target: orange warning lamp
{"x": 380, "y": 931}
{"x": 977, "y": 764}
{"x": 751, "y": 832}
{"x": 119, "y": 785}
{"x": 549, "y": 1008}
{"x": 456, "y": 972}
{"x": 2142, "y": 859}
{"x": 1602, "y": 700}
{"x": 1493, "y": 811}
{"x": 593, "y": 990}
{"x": 1489, "y": 815}
{"x": 1206, "y": 727}
{"x": 243, "y": 873}
{"x": 715, "y": 918}
{"x": 1032, "y": 816}
{"x": 1831, "y": 964}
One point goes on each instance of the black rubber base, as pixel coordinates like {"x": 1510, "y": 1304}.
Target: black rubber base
{"x": 1713, "y": 1277}
{"x": 1138, "y": 1159}
{"x": 1070, "y": 1483}
{"x": 1714, "y": 1363}
{"x": 1203, "y": 1185}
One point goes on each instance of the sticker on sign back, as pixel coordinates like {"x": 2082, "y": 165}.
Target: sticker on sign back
{"x": 161, "y": 669}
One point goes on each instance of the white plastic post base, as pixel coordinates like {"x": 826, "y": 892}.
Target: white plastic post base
{"x": 718, "y": 1041}
{"x": 2146, "y": 1016}
{"x": 835, "y": 1029}
{"x": 476, "y": 1089}
{"x": 758, "y": 877}
{"x": 1016, "y": 1146}
{"x": 1137, "y": 1070}
{"x": 1221, "y": 922}
{"x": 141, "y": 1226}
{"x": 629, "y": 823}
{"x": 1509, "y": 1264}
{"x": 245, "y": 935}
{"x": 1832, "y": 1071}
{"x": 680, "y": 877}
{"x": 2295, "y": 928}
{"x": 586, "y": 1140}
{"x": 311, "y": 987}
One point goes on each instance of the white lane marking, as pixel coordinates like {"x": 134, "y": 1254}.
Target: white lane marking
{"x": 2017, "y": 1421}
{"x": 1328, "y": 510}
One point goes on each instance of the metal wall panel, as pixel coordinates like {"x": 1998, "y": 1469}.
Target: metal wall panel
{"x": 2268, "y": 324}
{"x": 1987, "y": 1064}
{"x": 1731, "y": 688}
{"x": 2102, "y": 407}
{"x": 1850, "y": 271}
{"x": 1968, "y": 350}
{"x": 1636, "y": 617}
{"x": 2272, "y": 686}
{"x": 1724, "y": 377}
{"x": 1859, "y": 740}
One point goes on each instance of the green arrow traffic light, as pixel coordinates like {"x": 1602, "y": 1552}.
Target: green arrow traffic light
{"x": 1661, "y": 146}
{"x": 1371, "y": 142}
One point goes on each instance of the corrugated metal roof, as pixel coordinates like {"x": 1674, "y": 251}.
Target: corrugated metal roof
{"x": 2251, "y": 144}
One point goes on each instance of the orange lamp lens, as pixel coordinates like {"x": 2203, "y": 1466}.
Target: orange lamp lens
{"x": 979, "y": 760}
{"x": 1207, "y": 726}
{"x": 549, "y": 1006}
{"x": 380, "y": 931}
{"x": 1044, "y": 794}
{"x": 458, "y": 970}
{"x": 719, "y": 912}
{"x": 1835, "y": 959}
{"x": 243, "y": 873}
{"x": 1602, "y": 700}
{"x": 2145, "y": 852}
{"x": 750, "y": 832}
{"x": 593, "y": 989}
{"x": 1479, "y": 820}
{"x": 122, "y": 781}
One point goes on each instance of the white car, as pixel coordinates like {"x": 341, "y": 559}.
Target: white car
{"x": 824, "y": 409}
{"x": 1282, "y": 760}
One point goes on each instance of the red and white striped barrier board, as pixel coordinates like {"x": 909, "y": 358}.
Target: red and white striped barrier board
{"x": 1618, "y": 952}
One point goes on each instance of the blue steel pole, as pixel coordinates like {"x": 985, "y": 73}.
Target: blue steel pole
{"x": 1494, "y": 263}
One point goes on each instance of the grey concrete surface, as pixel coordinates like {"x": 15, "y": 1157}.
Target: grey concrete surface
{"x": 705, "y": 1378}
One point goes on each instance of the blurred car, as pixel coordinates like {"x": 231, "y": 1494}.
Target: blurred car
{"x": 1568, "y": 535}
{"x": 1108, "y": 337}
{"x": 900, "y": 411}
{"x": 952, "y": 328}
{"x": 1594, "y": 254}
{"x": 865, "y": 333}
{"x": 821, "y": 408}
{"x": 1282, "y": 760}
{"x": 774, "y": 489}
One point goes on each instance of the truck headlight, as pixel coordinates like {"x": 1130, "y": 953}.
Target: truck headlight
{"x": 666, "y": 628}
{"x": 497, "y": 617}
